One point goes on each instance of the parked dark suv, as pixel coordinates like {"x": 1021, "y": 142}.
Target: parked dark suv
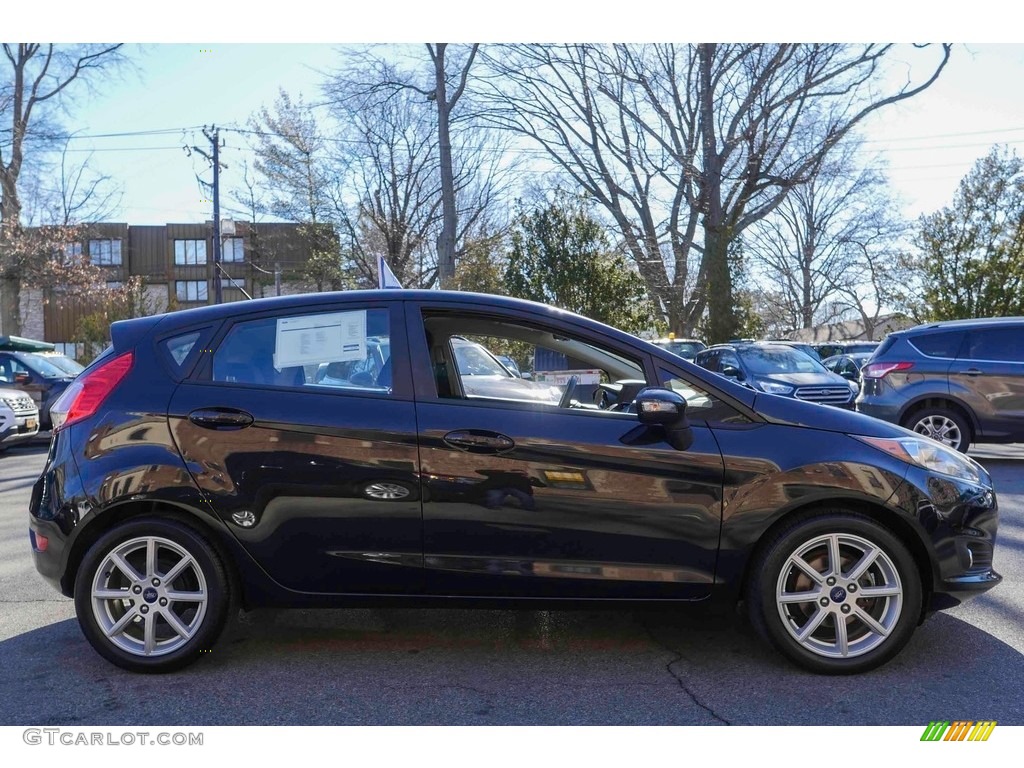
{"x": 198, "y": 464}
{"x": 779, "y": 369}
{"x": 959, "y": 382}
{"x": 36, "y": 375}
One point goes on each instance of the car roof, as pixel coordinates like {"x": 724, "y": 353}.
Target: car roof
{"x": 969, "y": 323}
{"x": 126, "y": 333}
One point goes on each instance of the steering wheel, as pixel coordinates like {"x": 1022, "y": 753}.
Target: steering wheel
{"x": 570, "y": 387}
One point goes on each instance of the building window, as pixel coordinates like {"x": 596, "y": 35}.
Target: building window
{"x": 190, "y": 290}
{"x": 189, "y": 252}
{"x": 73, "y": 252}
{"x": 105, "y": 253}
{"x": 233, "y": 249}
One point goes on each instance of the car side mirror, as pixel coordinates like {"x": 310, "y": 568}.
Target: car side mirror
{"x": 659, "y": 407}
{"x": 849, "y": 375}
{"x": 22, "y": 378}
{"x": 733, "y": 372}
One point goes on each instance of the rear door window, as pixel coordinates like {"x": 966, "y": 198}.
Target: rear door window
{"x": 345, "y": 351}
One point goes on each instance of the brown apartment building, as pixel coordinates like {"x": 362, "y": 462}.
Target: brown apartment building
{"x": 175, "y": 262}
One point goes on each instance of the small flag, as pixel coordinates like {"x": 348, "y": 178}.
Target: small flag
{"x": 385, "y": 277}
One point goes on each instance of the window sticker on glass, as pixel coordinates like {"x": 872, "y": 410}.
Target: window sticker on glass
{"x": 334, "y": 337}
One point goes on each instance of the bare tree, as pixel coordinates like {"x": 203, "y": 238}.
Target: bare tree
{"x": 373, "y": 78}
{"x": 36, "y": 80}
{"x": 829, "y": 249}
{"x": 399, "y": 171}
{"x": 687, "y": 146}
{"x": 66, "y": 192}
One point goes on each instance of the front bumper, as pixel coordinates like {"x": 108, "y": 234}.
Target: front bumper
{"x": 958, "y": 520}
{"x": 23, "y": 429}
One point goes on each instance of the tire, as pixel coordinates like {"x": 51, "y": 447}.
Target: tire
{"x": 140, "y": 621}
{"x": 810, "y": 633}
{"x": 947, "y": 426}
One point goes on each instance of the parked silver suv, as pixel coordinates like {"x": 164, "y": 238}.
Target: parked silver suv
{"x": 959, "y": 381}
{"x": 19, "y": 418}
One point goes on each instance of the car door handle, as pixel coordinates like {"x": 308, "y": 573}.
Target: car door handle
{"x": 479, "y": 441}
{"x": 220, "y": 418}
{"x": 971, "y": 372}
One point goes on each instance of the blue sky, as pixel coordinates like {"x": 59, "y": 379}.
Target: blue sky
{"x": 929, "y": 142}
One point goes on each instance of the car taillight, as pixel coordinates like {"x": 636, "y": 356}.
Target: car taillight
{"x": 881, "y": 370}
{"x": 86, "y": 393}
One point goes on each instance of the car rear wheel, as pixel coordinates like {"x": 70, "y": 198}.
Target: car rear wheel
{"x": 836, "y": 593}
{"x": 151, "y": 595}
{"x": 943, "y": 425}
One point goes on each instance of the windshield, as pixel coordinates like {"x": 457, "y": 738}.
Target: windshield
{"x": 687, "y": 349}
{"x": 42, "y": 366}
{"x": 766, "y": 361}
{"x": 66, "y": 364}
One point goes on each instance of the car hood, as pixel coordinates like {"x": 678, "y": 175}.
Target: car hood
{"x": 787, "y": 410}
{"x": 805, "y": 379}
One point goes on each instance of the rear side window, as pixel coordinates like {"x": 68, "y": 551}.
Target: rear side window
{"x": 180, "y": 346}
{"x": 996, "y": 344}
{"x": 343, "y": 351}
{"x": 180, "y": 352}
{"x": 945, "y": 344}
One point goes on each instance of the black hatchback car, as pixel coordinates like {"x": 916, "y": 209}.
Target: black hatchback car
{"x": 198, "y": 465}
{"x": 958, "y": 382}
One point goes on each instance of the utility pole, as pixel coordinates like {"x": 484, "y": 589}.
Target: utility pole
{"x": 212, "y": 135}
{"x": 218, "y": 290}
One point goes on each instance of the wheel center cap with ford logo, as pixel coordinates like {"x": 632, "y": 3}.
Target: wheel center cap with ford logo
{"x": 149, "y": 595}
{"x": 838, "y": 594}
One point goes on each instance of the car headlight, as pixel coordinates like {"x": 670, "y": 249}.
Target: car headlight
{"x": 773, "y": 388}
{"x": 927, "y": 453}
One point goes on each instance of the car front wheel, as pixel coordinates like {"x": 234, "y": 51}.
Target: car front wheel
{"x": 151, "y": 595}
{"x": 836, "y": 593}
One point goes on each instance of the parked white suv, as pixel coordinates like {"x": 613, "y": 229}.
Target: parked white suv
{"x": 19, "y": 418}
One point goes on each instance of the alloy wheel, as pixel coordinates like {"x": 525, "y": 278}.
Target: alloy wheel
{"x": 149, "y": 596}
{"x": 940, "y": 428}
{"x": 386, "y": 491}
{"x": 839, "y": 595}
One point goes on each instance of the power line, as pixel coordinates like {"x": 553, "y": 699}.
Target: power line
{"x": 79, "y": 136}
{"x": 944, "y": 135}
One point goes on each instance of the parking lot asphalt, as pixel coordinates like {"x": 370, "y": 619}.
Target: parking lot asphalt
{"x": 557, "y": 667}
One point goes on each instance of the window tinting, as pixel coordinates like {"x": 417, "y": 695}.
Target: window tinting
{"x": 331, "y": 351}
{"x": 997, "y": 344}
{"x": 180, "y": 346}
{"x": 943, "y": 344}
